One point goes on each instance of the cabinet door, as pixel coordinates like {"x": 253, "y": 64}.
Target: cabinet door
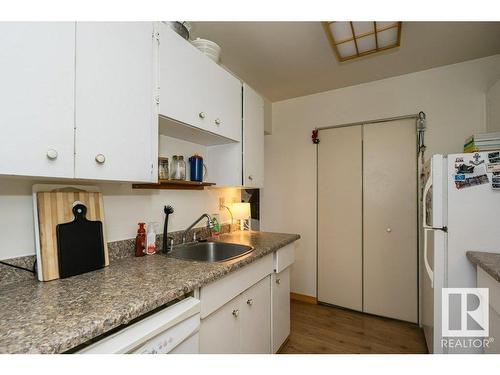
{"x": 37, "y": 98}
{"x": 220, "y": 331}
{"x": 183, "y": 81}
{"x": 116, "y": 121}
{"x": 256, "y": 318}
{"x": 195, "y": 90}
{"x": 280, "y": 283}
{"x": 224, "y": 102}
{"x": 253, "y": 138}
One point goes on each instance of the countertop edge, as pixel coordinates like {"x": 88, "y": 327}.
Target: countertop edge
{"x": 489, "y": 262}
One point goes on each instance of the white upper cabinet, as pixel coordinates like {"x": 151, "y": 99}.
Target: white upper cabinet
{"x": 253, "y": 138}
{"x": 116, "y": 115}
{"x": 37, "y": 98}
{"x": 195, "y": 90}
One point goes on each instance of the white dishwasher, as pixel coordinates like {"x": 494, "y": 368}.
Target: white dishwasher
{"x": 172, "y": 330}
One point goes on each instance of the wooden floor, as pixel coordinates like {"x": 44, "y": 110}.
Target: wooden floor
{"x": 329, "y": 330}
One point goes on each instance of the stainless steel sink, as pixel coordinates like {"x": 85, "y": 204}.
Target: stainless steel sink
{"x": 210, "y": 251}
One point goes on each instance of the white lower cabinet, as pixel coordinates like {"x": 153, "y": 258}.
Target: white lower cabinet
{"x": 220, "y": 331}
{"x": 256, "y": 318}
{"x": 280, "y": 286}
{"x": 484, "y": 280}
{"x": 248, "y": 311}
{"x": 242, "y": 325}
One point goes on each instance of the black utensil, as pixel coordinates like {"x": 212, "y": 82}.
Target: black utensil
{"x": 80, "y": 244}
{"x": 168, "y": 210}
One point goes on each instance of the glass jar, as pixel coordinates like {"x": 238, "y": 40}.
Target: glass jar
{"x": 163, "y": 168}
{"x": 178, "y": 168}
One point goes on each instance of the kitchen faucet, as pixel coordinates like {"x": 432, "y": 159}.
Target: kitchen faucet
{"x": 210, "y": 225}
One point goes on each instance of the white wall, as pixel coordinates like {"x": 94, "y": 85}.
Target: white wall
{"x": 493, "y": 108}
{"x": 453, "y": 97}
{"x": 123, "y": 207}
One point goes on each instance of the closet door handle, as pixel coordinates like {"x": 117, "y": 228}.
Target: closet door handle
{"x": 52, "y": 154}
{"x": 100, "y": 158}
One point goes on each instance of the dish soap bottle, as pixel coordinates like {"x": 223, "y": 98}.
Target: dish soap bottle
{"x": 151, "y": 239}
{"x": 216, "y": 228}
{"x": 140, "y": 241}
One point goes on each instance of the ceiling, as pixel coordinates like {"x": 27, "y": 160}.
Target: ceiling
{"x": 283, "y": 60}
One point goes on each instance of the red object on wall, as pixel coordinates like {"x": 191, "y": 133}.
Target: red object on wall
{"x": 314, "y": 136}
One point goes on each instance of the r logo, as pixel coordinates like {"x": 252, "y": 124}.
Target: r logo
{"x": 465, "y": 312}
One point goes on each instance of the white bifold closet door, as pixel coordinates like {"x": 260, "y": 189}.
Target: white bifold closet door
{"x": 367, "y": 219}
{"x": 340, "y": 220}
{"x": 390, "y": 278}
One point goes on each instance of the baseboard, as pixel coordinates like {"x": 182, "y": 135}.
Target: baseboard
{"x": 283, "y": 345}
{"x": 304, "y": 298}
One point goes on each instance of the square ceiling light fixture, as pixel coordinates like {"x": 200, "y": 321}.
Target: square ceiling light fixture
{"x": 350, "y": 40}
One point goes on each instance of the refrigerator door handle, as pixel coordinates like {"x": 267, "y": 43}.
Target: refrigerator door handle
{"x": 428, "y": 268}
{"x": 428, "y": 185}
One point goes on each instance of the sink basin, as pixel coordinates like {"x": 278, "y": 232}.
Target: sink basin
{"x": 210, "y": 251}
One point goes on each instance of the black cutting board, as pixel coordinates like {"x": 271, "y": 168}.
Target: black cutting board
{"x": 80, "y": 244}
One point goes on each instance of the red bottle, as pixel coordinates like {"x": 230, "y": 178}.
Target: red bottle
{"x": 140, "y": 241}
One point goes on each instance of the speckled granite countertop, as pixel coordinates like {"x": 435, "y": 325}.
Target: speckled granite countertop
{"x": 55, "y": 316}
{"x": 490, "y": 262}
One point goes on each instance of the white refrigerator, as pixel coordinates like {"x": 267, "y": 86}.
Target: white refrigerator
{"x": 460, "y": 213}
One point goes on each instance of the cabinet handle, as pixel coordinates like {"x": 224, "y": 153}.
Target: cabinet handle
{"x": 278, "y": 281}
{"x": 250, "y": 178}
{"x": 52, "y": 154}
{"x": 250, "y": 302}
{"x": 202, "y": 115}
{"x": 388, "y": 230}
{"x": 100, "y": 158}
{"x": 217, "y": 121}
{"x": 236, "y": 312}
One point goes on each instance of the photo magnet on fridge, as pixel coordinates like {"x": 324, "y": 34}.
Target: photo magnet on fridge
{"x": 477, "y": 159}
{"x": 472, "y": 181}
{"x": 494, "y": 157}
{"x": 464, "y": 168}
{"x": 493, "y": 167}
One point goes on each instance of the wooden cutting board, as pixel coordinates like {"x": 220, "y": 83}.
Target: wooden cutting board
{"x": 55, "y": 207}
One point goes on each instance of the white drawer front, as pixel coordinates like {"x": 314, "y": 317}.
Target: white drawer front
{"x": 284, "y": 257}
{"x": 215, "y": 295}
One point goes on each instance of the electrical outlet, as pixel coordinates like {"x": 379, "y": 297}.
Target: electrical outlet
{"x": 222, "y": 203}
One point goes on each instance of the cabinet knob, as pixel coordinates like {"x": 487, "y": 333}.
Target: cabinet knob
{"x": 278, "y": 281}
{"x": 250, "y": 178}
{"x": 100, "y": 158}
{"x": 250, "y": 302}
{"x": 52, "y": 154}
{"x": 201, "y": 115}
{"x": 217, "y": 121}
{"x": 388, "y": 230}
{"x": 236, "y": 312}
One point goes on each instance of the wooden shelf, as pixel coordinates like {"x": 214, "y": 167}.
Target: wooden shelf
{"x": 174, "y": 185}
